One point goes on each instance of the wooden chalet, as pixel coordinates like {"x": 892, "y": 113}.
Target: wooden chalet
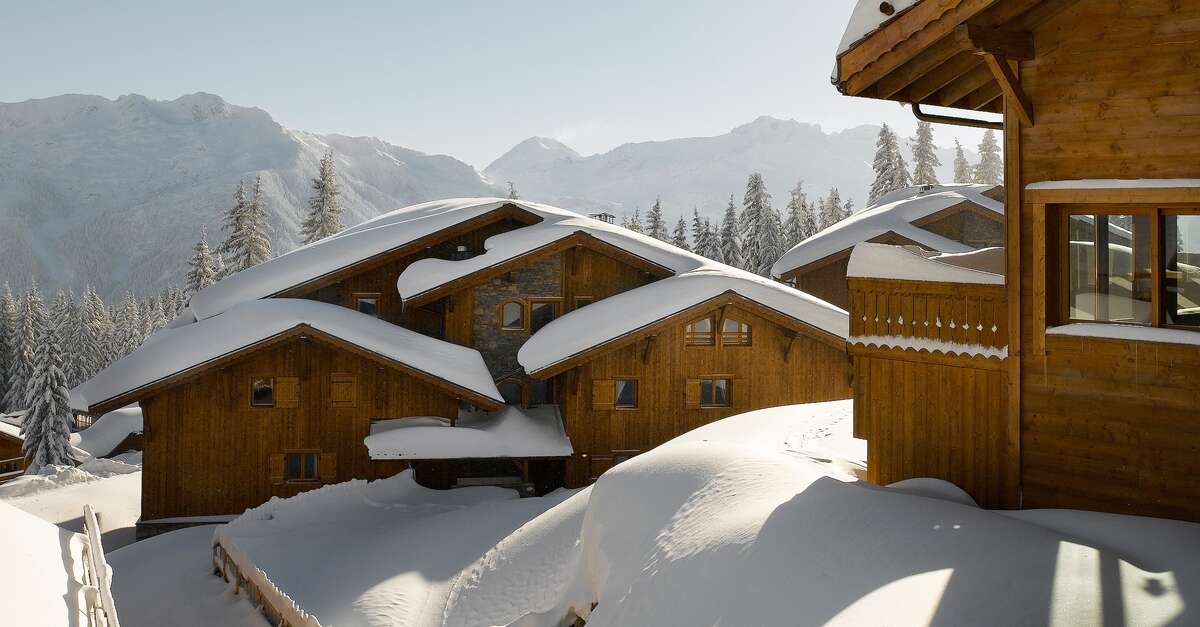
{"x": 377, "y": 349}
{"x": 946, "y": 218}
{"x": 12, "y": 457}
{"x": 1093, "y": 401}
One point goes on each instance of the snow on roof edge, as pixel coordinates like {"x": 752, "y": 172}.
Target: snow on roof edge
{"x": 1114, "y": 184}
{"x": 885, "y": 261}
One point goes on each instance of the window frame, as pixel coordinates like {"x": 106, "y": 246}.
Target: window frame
{"x": 523, "y": 390}
{"x": 617, "y": 393}
{"x": 553, "y": 301}
{"x": 524, "y": 316}
{"x": 586, "y": 300}
{"x": 696, "y": 338}
{"x": 1156, "y": 212}
{"x": 255, "y": 379}
{"x": 359, "y": 296}
{"x": 316, "y": 466}
{"x": 740, "y": 338}
{"x": 712, "y": 381}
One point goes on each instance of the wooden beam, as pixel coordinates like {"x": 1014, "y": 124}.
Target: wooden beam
{"x": 1011, "y": 86}
{"x": 787, "y": 354}
{"x": 650, "y": 339}
{"x": 984, "y": 40}
{"x": 943, "y": 75}
{"x": 962, "y": 87}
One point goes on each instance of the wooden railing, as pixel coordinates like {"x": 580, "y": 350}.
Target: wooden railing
{"x": 11, "y": 468}
{"x": 962, "y": 318}
{"x": 100, "y": 608}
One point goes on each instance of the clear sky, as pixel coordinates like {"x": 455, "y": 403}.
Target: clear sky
{"x": 467, "y": 78}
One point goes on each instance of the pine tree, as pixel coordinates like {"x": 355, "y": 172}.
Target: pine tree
{"x": 512, "y": 191}
{"x": 47, "y": 425}
{"x": 633, "y": 222}
{"x": 247, "y": 240}
{"x": 710, "y": 242}
{"x": 203, "y": 272}
{"x": 925, "y": 159}
{"x": 891, "y": 172}
{"x": 32, "y": 320}
{"x": 697, "y": 229}
{"x": 95, "y": 339}
{"x": 847, "y": 208}
{"x": 963, "y": 172}
{"x": 990, "y": 170}
{"x": 63, "y": 320}
{"x": 831, "y": 210}
{"x": 325, "y": 214}
{"x": 679, "y": 237}
{"x": 730, "y": 240}
{"x": 10, "y": 328}
{"x": 127, "y": 327}
{"x": 656, "y": 225}
{"x": 793, "y": 227}
{"x": 761, "y": 226}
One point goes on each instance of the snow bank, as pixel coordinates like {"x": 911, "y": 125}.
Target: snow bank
{"x": 896, "y": 216}
{"x": 383, "y": 552}
{"x": 626, "y": 312}
{"x": 1115, "y": 331}
{"x": 108, "y": 431}
{"x": 175, "y": 350}
{"x": 731, "y": 524}
{"x": 909, "y": 263}
{"x": 45, "y": 571}
{"x": 54, "y": 477}
{"x": 510, "y": 432}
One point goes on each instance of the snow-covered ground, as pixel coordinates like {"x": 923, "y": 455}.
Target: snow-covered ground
{"x": 112, "y": 486}
{"x": 45, "y": 572}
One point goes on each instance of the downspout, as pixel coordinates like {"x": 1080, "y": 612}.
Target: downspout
{"x": 957, "y": 121}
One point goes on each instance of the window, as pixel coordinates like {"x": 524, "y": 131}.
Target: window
{"x": 714, "y": 392}
{"x": 584, "y": 301}
{"x": 512, "y": 392}
{"x": 301, "y": 467}
{"x": 512, "y": 316}
{"x": 735, "y": 333}
{"x": 343, "y": 390}
{"x": 541, "y": 392}
{"x": 541, "y": 313}
{"x": 367, "y": 303}
{"x": 262, "y": 392}
{"x": 1119, "y": 264}
{"x": 699, "y": 332}
{"x": 626, "y": 394}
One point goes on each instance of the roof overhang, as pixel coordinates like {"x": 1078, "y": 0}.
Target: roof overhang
{"x": 948, "y": 53}
{"x": 296, "y": 332}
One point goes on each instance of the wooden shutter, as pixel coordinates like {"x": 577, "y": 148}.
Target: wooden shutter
{"x": 327, "y": 467}
{"x": 343, "y": 390}
{"x": 692, "y": 394}
{"x": 287, "y": 392}
{"x": 604, "y": 393}
{"x": 740, "y": 394}
{"x": 275, "y": 468}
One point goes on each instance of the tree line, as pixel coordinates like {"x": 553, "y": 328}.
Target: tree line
{"x": 892, "y": 173}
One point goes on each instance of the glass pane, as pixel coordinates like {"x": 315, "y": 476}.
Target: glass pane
{"x": 293, "y": 466}
{"x": 511, "y": 392}
{"x": 626, "y": 393}
{"x": 721, "y": 390}
{"x": 1109, "y": 268}
{"x": 310, "y": 465}
{"x": 1181, "y": 281}
{"x": 540, "y": 314}
{"x": 368, "y": 306}
{"x": 701, "y": 326}
{"x": 514, "y": 316}
{"x": 541, "y": 392}
{"x": 262, "y": 392}
{"x": 706, "y": 392}
{"x": 731, "y": 326}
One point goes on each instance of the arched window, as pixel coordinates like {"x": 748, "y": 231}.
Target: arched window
{"x": 512, "y": 392}
{"x": 735, "y": 333}
{"x": 699, "y": 332}
{"x": 512, "y": 316}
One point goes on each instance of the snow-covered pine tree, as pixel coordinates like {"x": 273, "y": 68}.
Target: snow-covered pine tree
{"x": 10, "y": 328}
{"x": 325, "y": 214}
{"x": 730, "y": 240}
{"x": 709, "y": 244}
{"x": 512, "y": 191}
{"x": 127, "y": 327}
{"x": 63, "y": 321}
{"x": 963, "y": 172}
{"x": 831, "y": 210}
{"x": 697, "y": 229}
{"x": 33, "y": 318}
{"x": 679, "y": 236}
{"x": 925, "y": 158}
{"x": 991, "y": 166}
{"x": 656, "y": 225}
{"x": 247, "y": 239}
{"x": 793, "y": 226}
{"x": 232, "y": 225}
{"x": 203, "y": 270}
{"x": 891, "y": 172}
{"x": 95, "y": 338}
{"x": 847, "y": 208}
{"x": 47, "y": 425}
{"x": 761, "y": 226}
{"x": 633, "y": 222}
{"x": 153, "y": 317}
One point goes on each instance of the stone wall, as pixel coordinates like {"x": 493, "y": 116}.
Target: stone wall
{"x": 499, "y": 347}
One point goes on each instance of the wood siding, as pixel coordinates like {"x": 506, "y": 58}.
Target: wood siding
{"x": 928, "y": 413}
{"x": 1106, "y": 425}
{"x": 208, "y": 452}
{"x": 763, "y": 374}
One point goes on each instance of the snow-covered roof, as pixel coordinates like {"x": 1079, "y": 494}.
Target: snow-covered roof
{"x": 108, "y": 431}
{"x": 557, "y": 224}
{"x": 171, "y": 351}
{"x": 884, "y": 261}
{"x": 895, "y": 213}
{"x": 45, "y": 563}
{"x": 510, "y": 432}
{"x": 866, "y": 19}
{"x": 11, "y": 430}
{"x": 355, "y": 244}
{"x": 627, "y": 312}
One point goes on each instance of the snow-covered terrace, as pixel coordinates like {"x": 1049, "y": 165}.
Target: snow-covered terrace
{"x": 511, "y": 432}
{"x": 885, "y": 261}
{"x": 895, "y": 212}
{"x": 44, "y": 563}
{"x": 172, "y": 351}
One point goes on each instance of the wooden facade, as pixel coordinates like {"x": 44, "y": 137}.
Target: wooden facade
{"x": 1090, "y": 91}
{"x": 12, "y": 458}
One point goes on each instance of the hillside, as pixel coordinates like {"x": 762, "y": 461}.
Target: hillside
{"x": 114, "y": 192}
{"x": 698, "y": 171}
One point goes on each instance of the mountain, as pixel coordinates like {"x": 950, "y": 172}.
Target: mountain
{"x": 114, "y": 192}
{"x": 698, "y": 171}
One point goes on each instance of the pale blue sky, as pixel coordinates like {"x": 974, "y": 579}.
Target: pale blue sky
{"x": 468, "y": 78}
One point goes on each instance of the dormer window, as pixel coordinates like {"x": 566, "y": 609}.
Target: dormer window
{"x": 367, "y": 304}
{"x": 735, "y": 333}
{"x": 699, "y": 332}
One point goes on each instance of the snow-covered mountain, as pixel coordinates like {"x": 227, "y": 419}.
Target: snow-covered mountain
{"x": 698, "y": 171}
{"x": 114, "y": 192}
